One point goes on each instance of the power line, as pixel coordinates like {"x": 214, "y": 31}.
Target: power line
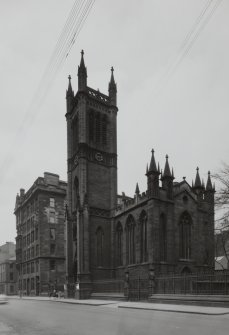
{"x": 80, "y": 26}
{"x": 190, "y": 38}
{"x": 70, "y": 32}
{"x": 198, "y": 32}
{"x": 56, "y": 60}
{"x": 60, "y": 48}
{"x": 81, "y": 15}
{"x": 67, "y": 32}
{"x": 197, "y": 21}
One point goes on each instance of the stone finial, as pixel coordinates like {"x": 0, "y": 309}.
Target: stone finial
{"x": 137, "y": 191}
{"x": 197, "y": 180}
{"x": 153, "y": 167}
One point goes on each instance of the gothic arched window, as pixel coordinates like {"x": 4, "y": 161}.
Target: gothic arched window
{"x": 130, "y": 240}
{"x": 75, "y": 133}
{"x": 91, "y": 126}
{"x": 163, "y": 237}
{"x": 75, "y": 193}
{"x": 119, "y": 244}
{"x": 143, "y": 236}
{"x": 97, "y": 128}
{"x": 185, "y": 235}
{"x": 99, "y": 246}
{"x": 104, "y": 130}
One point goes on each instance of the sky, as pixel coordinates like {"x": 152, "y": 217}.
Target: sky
{"x": 171, "y": 66}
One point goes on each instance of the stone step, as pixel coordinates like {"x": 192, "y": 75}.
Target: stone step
{"x": 198, "y": 300}
{"x": 108, "y": 296}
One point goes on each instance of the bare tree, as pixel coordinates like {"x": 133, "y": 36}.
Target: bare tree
{"x": 222, "y": 246}
{"x": 222, "y": 208}
{"x": 222, "y": 196}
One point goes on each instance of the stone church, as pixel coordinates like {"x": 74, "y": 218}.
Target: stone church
{"x": 168, "y": 228}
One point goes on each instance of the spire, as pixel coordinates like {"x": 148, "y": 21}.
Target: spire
{"x": 167, "y": 172}
{"x": 112, "y": 89}
{"x": 197, "y": 180}
{"x": 112, "y": 81}
{"x": 82, "y": 74}
{"x": 82, "y": 65}
{"x": 153, "y": 167}
{"x": 209, "y": 183}
{"x": 137, "y": 189}
{"x": 153, "y": 177}
{"x": 69, "y": 92}
{"x": 167, "y": 179}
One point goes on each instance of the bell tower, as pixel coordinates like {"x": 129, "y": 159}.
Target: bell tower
{"x": 92, "y": 180}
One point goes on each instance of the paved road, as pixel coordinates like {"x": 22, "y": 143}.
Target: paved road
{"x": 29, "y": 317}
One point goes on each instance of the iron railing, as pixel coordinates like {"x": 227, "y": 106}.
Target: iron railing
{"x": 214, "y": 283}
{"x": 108, "y": 286}
{"x": 138, "y": 289}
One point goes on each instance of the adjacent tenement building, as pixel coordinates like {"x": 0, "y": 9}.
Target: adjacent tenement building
{"x": 8, "y": 277}
{"x": 7, "y": 250}
{"x": 167, "y": 228}
{"x": 40, "y": 241}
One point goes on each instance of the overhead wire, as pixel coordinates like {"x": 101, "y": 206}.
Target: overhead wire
{"x": 67, "y": 32}
{"x": 80, "y": 25}
{"x": 58, "y": 55}
{"x": 53, "y": 64}
{"x": 60, "y": 48}
{"x": 69, "y": 42}
{"x": 197, "y": 21}
{"x": 198, "y": 32}
{"x": 60, "y": 61}
{"x": 186, "y": 45}
{"x": 70, "y": 32}
{"x": 83, "y": 19}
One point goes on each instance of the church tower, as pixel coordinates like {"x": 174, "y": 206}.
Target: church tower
{"x": 92, "y": 180}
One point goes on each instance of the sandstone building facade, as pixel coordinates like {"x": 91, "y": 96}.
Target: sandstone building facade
{"x": 167, "y": 228}
{"x": 7, "y": 251}
{"x": 40, "y": 241}
{"x": 8, "y": 277}
{"x": 8, "y": 274}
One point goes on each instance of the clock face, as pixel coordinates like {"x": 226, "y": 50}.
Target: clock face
{"x": 99, "y": 157}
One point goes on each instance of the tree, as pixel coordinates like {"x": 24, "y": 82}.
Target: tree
{"x": 222, "y": 196}
{"x": 222, "y": 209}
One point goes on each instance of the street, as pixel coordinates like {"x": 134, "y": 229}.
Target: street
{"x": 50, "y": 317}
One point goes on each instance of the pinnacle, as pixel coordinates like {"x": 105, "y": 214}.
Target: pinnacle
{"x": 197, "y": 180}
{"x": 112, "y": 84}
{"x": 137, "y": 191}
{"x": 209, "y": 183}
{"x": 82, "y": 65}
{"x": 167, "y": 172}
{"x": 69, "y": 90}
{"x": 153, "y": 167}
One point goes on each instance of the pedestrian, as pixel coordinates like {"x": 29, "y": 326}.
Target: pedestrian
{"x": 54, "y": 294}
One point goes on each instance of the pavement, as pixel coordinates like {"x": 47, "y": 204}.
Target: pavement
{"x": 205, "y": 310}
